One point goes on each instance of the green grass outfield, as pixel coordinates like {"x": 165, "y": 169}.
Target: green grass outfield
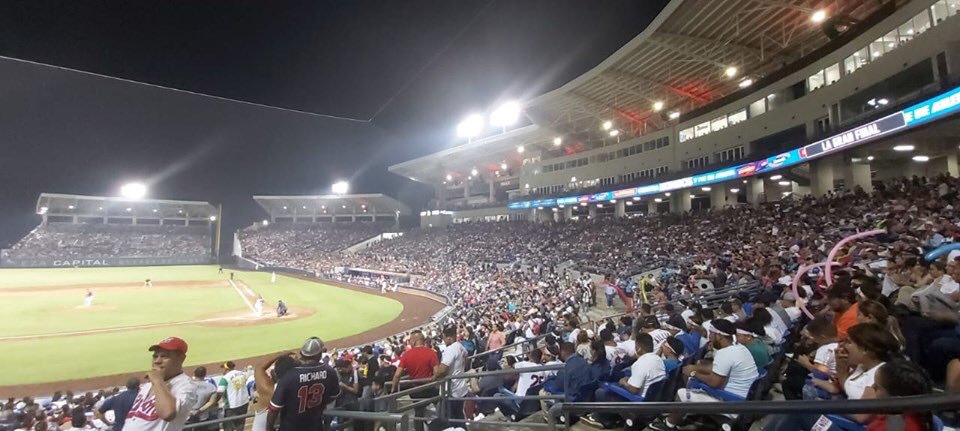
{"x": 339, "y": 313}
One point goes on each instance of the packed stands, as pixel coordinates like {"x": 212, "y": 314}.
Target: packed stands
{"x": 68, "y": 241}
{"x": 894, "y": 312}
{"x": 301, "y": 245}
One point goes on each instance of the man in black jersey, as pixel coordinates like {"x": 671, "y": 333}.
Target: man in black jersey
{"x": 303, "y": 392}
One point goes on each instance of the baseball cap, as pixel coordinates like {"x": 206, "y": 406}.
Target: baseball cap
{"x": 312, "y": 347}
{"x": 170, "y": 343}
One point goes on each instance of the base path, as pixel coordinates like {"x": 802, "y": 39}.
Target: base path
{"x": 417, "y": 311}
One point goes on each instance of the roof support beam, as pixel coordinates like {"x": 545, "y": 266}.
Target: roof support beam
{"x": 616, "y": 74}
{"x": 720, "y": 45}
{"x": 686, "y": 50}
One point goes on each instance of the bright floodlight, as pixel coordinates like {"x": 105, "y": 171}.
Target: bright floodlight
{"x": 520, "y": 149}
{"x": 473, "y": 172}
{"x": 903, "y": 148}
{"x": 745, "y": 83}
{"x": 470, "y": 126}
{"x": 657, "y": 106}
{"x": 503, "y": 166}
{"x": 213, "y": 218}
{"x": 506, "y": 114}
{"x": 674, "y": 115}
{"x": 133, "y": 190}
{"x": 340, "y": 187}
{"x": 607, "y": 125}
{"x": 921, "y": 158}
{"x": 734, "y": 190}
{"x": 818, "y": 16}
{"x": 557, "y": 141}
{"x": 730, "y": 72}
{"x": 776, "y": 177}
{"x": 449, "y": 177}
{"x": 265, "y": 222}
{"x": 614, "y": 133}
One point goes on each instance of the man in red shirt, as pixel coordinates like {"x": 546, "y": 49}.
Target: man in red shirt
{"x": 418, "y": 362}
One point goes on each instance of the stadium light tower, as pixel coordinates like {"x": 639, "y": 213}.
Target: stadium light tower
{"x": 340, "y": 187}
{"x": 506, "y": 115}
{"x": 134, "y": 191}
{"x": 470, "y": 127}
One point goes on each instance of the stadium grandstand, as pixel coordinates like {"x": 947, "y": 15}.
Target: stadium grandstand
{"x": 744, "y": 219}
{"x": 698, "y": 112}
{"x": 79, "y": 230}
{"x": 308, "y": 233}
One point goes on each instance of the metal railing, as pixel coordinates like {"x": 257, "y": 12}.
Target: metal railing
{"x": 925, "y": 403}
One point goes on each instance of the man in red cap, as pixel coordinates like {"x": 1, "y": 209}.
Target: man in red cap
{"x": 164, "y": 402}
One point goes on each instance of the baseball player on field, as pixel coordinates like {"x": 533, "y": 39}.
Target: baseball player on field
{"x": 88, "y": 299}
{"x": 258, "y": 306}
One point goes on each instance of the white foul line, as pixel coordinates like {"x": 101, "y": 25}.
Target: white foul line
{"x": 242, "y": 296}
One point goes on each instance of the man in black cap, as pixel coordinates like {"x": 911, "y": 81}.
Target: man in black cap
{"x": 303, "y": 392}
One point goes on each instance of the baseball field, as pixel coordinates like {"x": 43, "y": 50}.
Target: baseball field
{"x": 49, "y": 336}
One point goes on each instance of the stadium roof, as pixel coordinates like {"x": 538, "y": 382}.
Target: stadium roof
{"x": 91, "y": 206}
{"x": 680, "y": 59}
{"x": 319, "y": 205}
{"x": 460, "y": 160}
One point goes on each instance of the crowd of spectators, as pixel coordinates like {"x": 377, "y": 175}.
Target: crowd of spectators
{"x": 302, "y": 245}
{"x": 885, "y": 327}
{"x": 90, "y": 241}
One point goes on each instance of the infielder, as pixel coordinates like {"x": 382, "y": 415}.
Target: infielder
{"x": 147, "y": 283}
{"x": 88, "y": 299}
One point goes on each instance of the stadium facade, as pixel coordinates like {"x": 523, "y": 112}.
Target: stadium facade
{"x": 100, "y": 231}
{"x": 697, "y": 112}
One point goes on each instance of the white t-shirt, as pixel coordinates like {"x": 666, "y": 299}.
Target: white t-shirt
{"x": 774, "y": 334}
{"x": 736, "y": 364}
{"x": 645, "y": 371}
{"x": 455, "y": 358}
{"x": 528, "y": 380}
{"x": 687, "y": 314}
{"x": 794, "y": 313}
{"x": 573, "y": 335}
{"x": 826, "y": 356}
{"x": 858, "y": 382}
{"x": 659, "y": 336}
{"x": 233, "y": 386}
{"x": 629, "y": 347}
{"x": 615, "y": 355}
{"x": 143, "y": 415}
{"x": 552, "y": 372}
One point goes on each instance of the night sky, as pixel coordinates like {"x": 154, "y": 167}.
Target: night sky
{"x": 404, "y": 71}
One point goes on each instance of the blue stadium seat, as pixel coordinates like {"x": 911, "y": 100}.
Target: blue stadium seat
{"x": 723, "y": 395}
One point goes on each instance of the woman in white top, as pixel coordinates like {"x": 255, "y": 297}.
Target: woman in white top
{"x": 265, "y": 382}
{"x": 867, "y": 348}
